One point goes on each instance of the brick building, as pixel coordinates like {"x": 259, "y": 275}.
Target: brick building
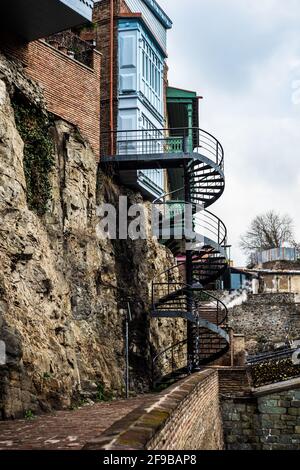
{"x": 71, "y": 83}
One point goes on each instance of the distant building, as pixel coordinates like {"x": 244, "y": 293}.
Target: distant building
{"x": 274, "y": 254}
{"x": 279, "y": 277}
{"x": 277, "y": 270}
{"x": 237, "y": 279}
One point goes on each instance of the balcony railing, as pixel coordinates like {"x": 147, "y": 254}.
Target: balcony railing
{"x": 162, "y": 141}
{"x": 204, "y": 222}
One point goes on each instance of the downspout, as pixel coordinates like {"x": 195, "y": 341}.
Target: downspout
{"x": 111, "y": 99}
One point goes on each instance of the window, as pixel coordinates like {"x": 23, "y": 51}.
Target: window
{"x": 153, "y": 139}
{"x": 152, "y": 67}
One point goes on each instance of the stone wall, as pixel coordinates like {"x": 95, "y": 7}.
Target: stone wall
{"x": 266, "y": 320}
{"x": 64, "y": 291}
{"x": 185, "y": 417}
{"x": 241, "y": 424}
{"x": 269, "y": 422}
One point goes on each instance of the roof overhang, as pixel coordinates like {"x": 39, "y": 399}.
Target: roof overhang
{"x": 178, "y": 101}
{"x": 32, "y": 19}
{"x": 159, "y": 13}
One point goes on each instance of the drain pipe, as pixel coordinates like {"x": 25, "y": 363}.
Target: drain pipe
{"x": 111, "y": 99}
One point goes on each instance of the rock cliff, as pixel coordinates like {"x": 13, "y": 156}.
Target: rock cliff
{"x": 63, "y": 290}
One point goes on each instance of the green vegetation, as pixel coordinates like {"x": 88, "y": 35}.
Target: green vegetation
{"x": 34, "y": 128}
{"x": 47, "y": 376}
{"x": 102, "y": 394}
{"x": 78, "y": 404}
{"x": 29, "y": 415}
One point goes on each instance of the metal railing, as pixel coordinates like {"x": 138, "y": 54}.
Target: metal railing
{"x": 269, "y": 356}
{"x": 211, "y": 227}
{"x": 215, "y": 310}
{"x": 169, "y": 295}
{"x": 205, "y": 307}
{"x": 174, "y": 212}
{"x": 170, "y": 360}
{"x": 162, "y": 141}
{"x": 275, "y": 254}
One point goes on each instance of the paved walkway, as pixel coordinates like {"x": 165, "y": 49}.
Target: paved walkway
{"x": 65, "y": 429}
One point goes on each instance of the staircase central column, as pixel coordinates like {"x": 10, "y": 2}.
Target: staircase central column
{"x": 189, "y": 281}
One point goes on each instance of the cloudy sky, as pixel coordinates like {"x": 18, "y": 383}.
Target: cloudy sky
{"x": 243, "y": 56}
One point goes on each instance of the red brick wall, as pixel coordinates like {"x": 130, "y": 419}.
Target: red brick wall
{"x": 13, "y": 47}
{"x": 234, "y": 381}
{"x": 185, "y": 417}
{"x": 72, "y": 90}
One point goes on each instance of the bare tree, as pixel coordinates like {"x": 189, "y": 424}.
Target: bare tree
{"x": 267, "y": 231}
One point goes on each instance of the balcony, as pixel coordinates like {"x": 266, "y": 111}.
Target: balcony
{"x": 170, "y": 149}
{"x": 34, "y": 19}
{"x": 137, "y": 146}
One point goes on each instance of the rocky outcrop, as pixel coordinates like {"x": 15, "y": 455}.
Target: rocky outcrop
{"x": 64, "y": 290}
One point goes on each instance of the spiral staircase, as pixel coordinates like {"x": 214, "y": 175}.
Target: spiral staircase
{"x": 180, "y": 291}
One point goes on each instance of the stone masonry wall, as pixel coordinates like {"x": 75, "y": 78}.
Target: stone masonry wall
{"x": 185, "y": 417}
{"x": 270, "y": 422}
{"x": 266, "y": 320}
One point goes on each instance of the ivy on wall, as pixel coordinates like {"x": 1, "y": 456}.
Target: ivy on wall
{"x": 34, "y": 128}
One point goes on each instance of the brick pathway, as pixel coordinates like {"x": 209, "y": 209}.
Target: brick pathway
{"x": 65, "y": 429}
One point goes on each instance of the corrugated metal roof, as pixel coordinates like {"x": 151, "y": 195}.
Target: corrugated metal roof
{"x": 159, "y": 13}
{"x": 154, "y": 23}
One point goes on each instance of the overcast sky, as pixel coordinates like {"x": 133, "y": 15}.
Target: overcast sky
{"x": 243, "y": 56}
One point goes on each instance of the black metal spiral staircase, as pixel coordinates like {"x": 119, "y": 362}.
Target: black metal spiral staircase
{"x": 180, "y": 292}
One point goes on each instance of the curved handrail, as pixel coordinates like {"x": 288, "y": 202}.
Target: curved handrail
{"x": 202, "y": 323}
{"x": 163, "y": 196}
{"x": 159, "y": 141}
{"x": 173, "y": 363}
{"x": 219, "y": 225}
{"x": 155, "y": 358}
{"x": 198, "y": 303}
{"x": 209, "y": 225}
{"x": 218, "y": 302}
{"x": 168, "y": 270}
